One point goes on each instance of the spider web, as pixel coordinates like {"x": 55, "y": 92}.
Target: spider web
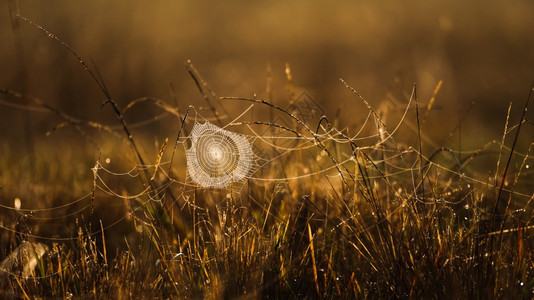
{"x": 217, "y": 157}
{"x": 220, "y": 158}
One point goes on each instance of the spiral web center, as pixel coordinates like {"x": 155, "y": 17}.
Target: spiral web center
{"x": 222, "y": 154}
{"x": 217, "y": 157}
{"x": 216, "y": 154}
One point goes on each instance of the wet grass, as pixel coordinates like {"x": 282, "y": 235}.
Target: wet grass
{"x": 334, "y": 210}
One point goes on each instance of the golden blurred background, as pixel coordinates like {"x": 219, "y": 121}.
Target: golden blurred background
{"x": 483, "y": 52}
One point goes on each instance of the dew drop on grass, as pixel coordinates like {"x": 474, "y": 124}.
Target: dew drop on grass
{"x": 17, "y": 203}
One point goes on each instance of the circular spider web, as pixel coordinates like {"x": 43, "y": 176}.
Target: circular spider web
{"x": 217, "y": 157}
